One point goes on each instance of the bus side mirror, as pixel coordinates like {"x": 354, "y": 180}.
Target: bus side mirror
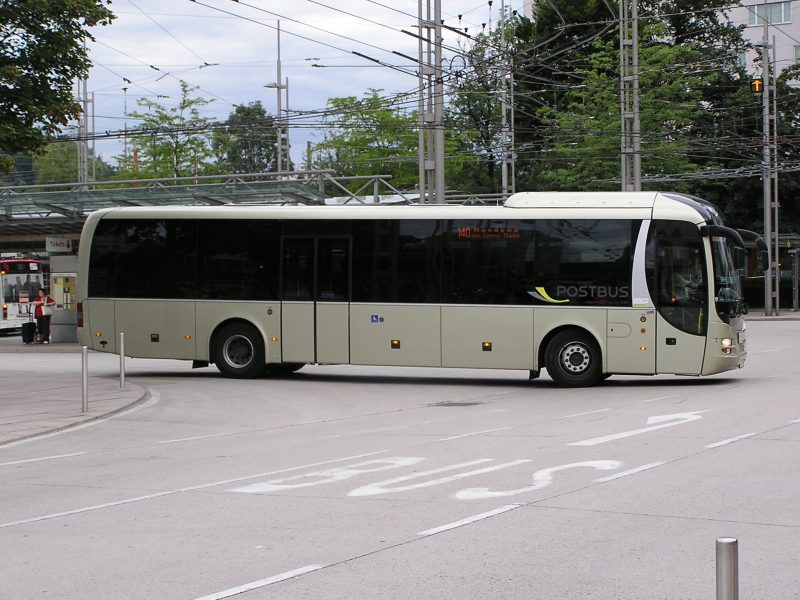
{"x": 752, "y": 236}
{"x": 739, "y": 259}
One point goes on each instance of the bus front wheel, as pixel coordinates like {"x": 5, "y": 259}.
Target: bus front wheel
{"x": 573, "y": 359}
{"x": 238, "y": 351}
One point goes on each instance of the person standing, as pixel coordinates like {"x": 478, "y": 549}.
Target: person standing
{"x": 43, "y": 310}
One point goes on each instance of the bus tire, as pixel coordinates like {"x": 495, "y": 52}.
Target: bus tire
{"x": 282, "y": 369}
{"x": 573, "y": 359}
{"x": 238, "y": 351}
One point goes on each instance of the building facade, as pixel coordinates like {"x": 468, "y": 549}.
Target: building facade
{"x": 783, "y": 20}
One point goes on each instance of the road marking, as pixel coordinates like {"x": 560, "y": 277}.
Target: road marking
{"x": 201, "y": 437}
{"x": 731, "y": 440}
{"x": 591, "y": 412}
{"x": 661, "y": 398}
{"x": 796, "y": 421}
{"x": 392, "y": 428}
{"x": 662, "y": 420}
{"x": 469, "y": 520}
{"x": 30, "y": 460}
{"x": 262, "y": 583}
{"x": 373, "y": 489}
{"x": 333, "y": 475}
{"x": 541, "y": 479}
{"x": 630, "y": 472}
{"x": 463, "y": 435}
{"x": 178, "y": 491}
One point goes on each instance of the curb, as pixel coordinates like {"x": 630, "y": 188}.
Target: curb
{"x": 133, "y": 404}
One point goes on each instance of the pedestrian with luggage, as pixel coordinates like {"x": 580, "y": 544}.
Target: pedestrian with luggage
{"x": 42, "y": 312}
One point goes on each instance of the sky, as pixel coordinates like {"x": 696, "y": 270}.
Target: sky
{"x": 228, "y": 49}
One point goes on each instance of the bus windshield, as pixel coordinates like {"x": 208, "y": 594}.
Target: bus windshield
{"x": 727, "y": 286}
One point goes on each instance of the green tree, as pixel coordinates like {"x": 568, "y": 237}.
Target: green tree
{"x": 19, "y": 170}
{"x": 58, "y": 163}
{"x": 41, "y": 54}
{"x": 170, "y": 141}
{"x": 247, "y": 141}
{"x": 370, "y": 136}
{"x": 693, "y": 101}
{"x": 473, "y": 116}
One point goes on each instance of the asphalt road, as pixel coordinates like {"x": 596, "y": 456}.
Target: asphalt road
{"x": 345, "y": 482}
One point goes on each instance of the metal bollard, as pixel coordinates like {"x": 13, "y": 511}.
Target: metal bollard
{"x": 85, "y": 378}
{"x": 795, "y": 279}
{"x": 727, "y": 569}
{"x": 122, "y": 361}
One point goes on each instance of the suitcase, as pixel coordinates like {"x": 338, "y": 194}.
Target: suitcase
{"x": 29, "y": 331}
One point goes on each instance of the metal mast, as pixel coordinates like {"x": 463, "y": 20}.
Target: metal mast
{"x": 766, "y": 166}
{"x": 431, "y": 104}
{"x": 629, "y": 95}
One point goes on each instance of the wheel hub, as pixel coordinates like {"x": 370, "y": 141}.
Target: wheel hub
{"x": 575, "y": 358}
{"x": 238, "y": 351}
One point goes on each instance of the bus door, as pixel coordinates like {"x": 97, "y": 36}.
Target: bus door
{"x": 315, "y": 292}
{"x": 631, "y": 330}
{"x": 681, "y": 296}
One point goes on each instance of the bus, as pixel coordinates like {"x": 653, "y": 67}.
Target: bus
{"x": 20, "y": 282}
{"x": 584, "y": 285}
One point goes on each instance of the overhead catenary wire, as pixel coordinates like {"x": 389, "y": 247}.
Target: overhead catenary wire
{"x": 311, "y": 122}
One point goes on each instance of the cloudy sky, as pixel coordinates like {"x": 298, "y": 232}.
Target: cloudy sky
{"x": 229, "y": 50}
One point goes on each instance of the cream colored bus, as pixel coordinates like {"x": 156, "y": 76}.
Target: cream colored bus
{"x": 584, "y": 285}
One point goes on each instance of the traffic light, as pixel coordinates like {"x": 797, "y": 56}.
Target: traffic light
{"x": 757, "y": 86}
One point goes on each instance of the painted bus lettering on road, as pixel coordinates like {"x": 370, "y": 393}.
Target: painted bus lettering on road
{"x": 333, "y": 475}
{"x": 382, "y": 487}
{"x": 541, "y": 479}
{"x": 424, "y": 479}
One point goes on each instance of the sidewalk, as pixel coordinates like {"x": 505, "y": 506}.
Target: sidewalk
{"x": 757, "y": 314}
{"x": 32, "y": 406}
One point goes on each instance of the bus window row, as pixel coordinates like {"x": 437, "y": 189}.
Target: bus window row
{"x": 514, "y": 262}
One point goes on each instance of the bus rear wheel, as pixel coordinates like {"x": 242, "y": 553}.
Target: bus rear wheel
{"x": 573, "y": 359}
{"x": 238, "y": 351}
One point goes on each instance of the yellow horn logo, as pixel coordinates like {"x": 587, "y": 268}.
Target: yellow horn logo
{"x": 541, "y": 294}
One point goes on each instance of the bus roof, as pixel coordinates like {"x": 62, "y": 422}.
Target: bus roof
{"x": 523, "y": 205}
{"x": 582, "y": 200}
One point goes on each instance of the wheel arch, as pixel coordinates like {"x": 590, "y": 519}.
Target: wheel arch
{"x": 567, "y": 327}
{"x": 233, "y": 321}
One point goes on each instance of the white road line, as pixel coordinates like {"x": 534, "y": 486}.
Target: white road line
{"x": 591, "y": 412}
{"x": 30, "y": 460}
{"x": 661, "y": 398}
{"x": 796, "y": 421}
{"x": 463, "y": 435}
{"x": 392, "y": 428}
{"x": 731, "y": 440}
{"x": 630, "y": 472}
{"x": 178, "y": 491}
{"x": 200, "y": 437}
{"x": 469, "y": 520}
{"x": 261, "y": 583}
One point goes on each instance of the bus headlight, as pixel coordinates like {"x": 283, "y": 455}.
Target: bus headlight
{"x": 726, "y": 342}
